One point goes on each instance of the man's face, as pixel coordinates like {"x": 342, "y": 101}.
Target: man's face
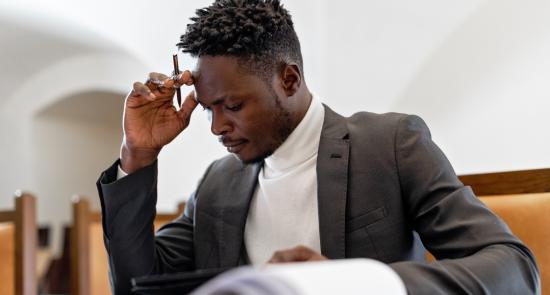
{"x": 245, "y": 111}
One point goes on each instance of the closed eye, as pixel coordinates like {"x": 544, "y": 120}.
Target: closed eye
{"x": 234, "y": 108}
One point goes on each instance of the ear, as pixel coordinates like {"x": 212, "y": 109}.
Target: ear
{"x": 291, "y": 79}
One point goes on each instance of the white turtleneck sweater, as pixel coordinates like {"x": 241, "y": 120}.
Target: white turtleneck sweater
{"x": 283, "y": 212}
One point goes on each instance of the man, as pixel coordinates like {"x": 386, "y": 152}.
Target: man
{"x": 303, "y": 183}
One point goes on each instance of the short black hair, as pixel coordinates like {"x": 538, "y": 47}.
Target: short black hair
{"x": 260, "y": 33}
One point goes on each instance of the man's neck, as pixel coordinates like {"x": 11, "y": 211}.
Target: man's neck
{"x": 302, "y": 103}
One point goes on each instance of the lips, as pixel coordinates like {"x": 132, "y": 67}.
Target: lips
{"x": 234, "y": 146}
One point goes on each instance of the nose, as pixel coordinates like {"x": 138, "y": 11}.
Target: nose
{"x": 219, "y": 124}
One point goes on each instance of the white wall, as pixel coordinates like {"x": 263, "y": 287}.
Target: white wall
{"x": 476, "y": 70}
{"x": 69, "y": 145}
{"x": 485, "y": 89}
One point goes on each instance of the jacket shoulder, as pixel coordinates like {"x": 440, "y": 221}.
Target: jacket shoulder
{"x": 373, "y": 125}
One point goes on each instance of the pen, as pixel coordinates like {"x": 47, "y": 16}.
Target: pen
{"x": 176, "y": 73}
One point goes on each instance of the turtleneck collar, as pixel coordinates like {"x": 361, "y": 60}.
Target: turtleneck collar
{"x": 301, "y": 144}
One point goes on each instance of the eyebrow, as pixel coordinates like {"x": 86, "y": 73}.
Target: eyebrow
{"x": 215, "y": 102}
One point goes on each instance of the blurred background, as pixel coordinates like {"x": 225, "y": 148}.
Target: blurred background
{"x": 477, "y": 71}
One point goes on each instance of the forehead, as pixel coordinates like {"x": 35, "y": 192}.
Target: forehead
{"x": 210, "y": 69}
{"x": 219, "y": 76}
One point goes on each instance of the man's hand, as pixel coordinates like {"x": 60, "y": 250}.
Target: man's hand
{"x": 150, "y": 119}
{"x": 296, "y": 254}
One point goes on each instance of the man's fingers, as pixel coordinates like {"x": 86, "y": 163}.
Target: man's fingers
{"x": 139, "y": 89}
{"x": 187, "y": 107}
{"x": 179, "y": 80}
{"x": 280, "y": 257}
{"x": 158, "y": 76}
{"x": 156, "y": 79}
{"x": 157, "y": 83}
{"x": 296, "y": 254}
{"x": 164, "y": 84}
{"x": 290, "y": 255}
{"x": 186, "y": 78}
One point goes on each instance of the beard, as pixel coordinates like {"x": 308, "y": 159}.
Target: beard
{"x": 282, "y": 119}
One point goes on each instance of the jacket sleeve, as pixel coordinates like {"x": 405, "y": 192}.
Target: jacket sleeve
{"x": 476, "y": 252}
{"x": 128, "y": 210}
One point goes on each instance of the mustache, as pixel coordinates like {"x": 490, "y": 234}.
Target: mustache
{"x": 226, "y": 140}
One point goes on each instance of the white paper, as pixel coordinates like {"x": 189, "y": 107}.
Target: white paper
{"x": 346, "y": 276}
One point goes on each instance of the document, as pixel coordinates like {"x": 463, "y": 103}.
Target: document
{"x": 346, "y": 276}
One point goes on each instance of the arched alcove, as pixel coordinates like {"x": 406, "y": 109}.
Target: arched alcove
{"x": 72, "y": 141}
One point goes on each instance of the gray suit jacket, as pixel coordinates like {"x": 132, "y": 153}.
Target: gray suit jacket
{"x": 385, "y": 191}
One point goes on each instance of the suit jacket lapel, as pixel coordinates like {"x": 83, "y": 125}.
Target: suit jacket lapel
{"x": 234, "y": 212}
{"x": 332, "y": 181}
